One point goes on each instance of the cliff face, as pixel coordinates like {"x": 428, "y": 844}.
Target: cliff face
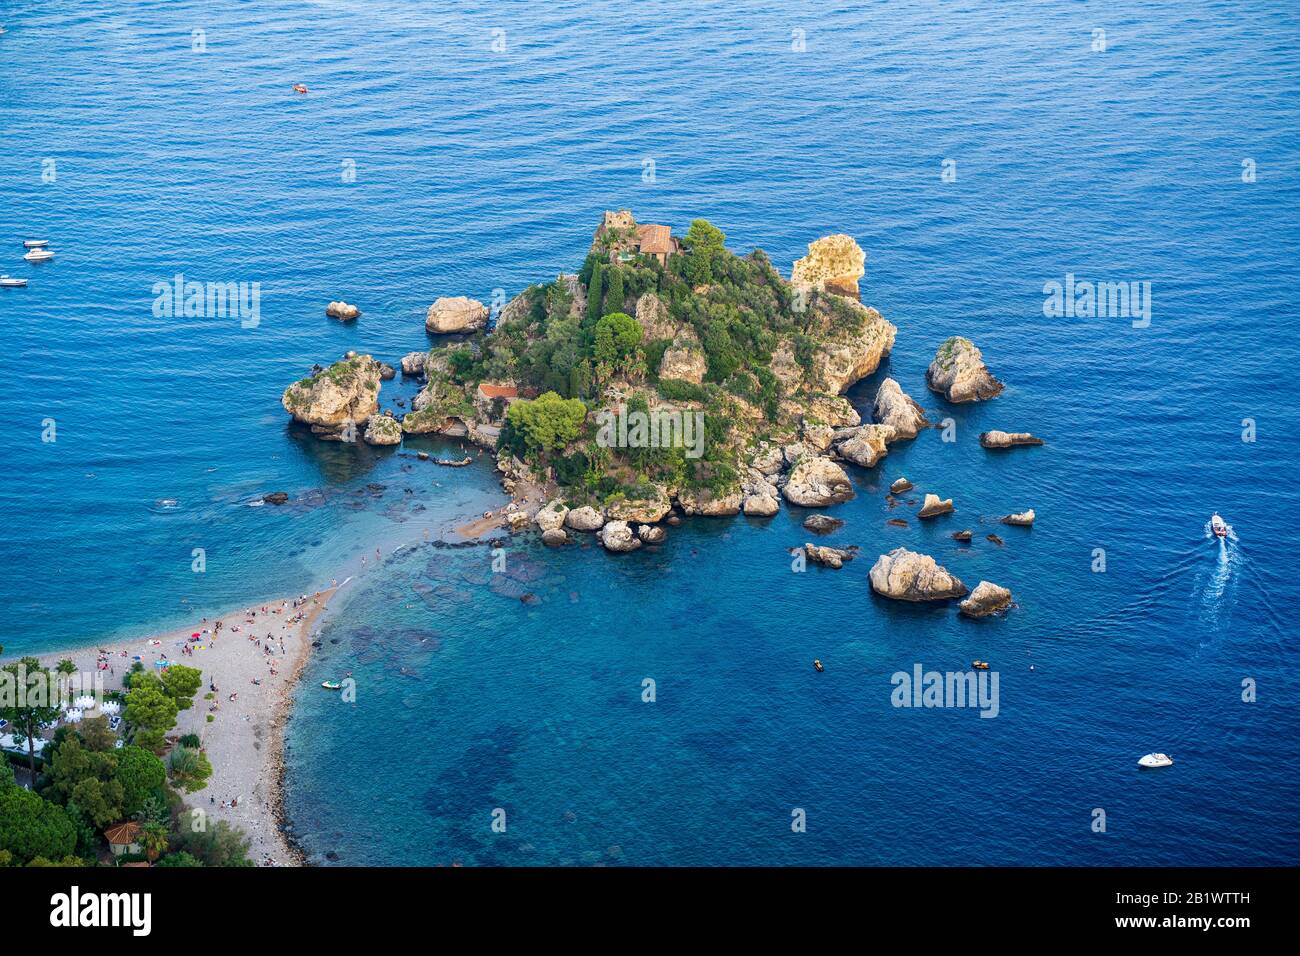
{"x": 834, "y": 263}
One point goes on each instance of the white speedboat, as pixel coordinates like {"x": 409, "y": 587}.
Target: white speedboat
{"x": 1218, "y": 526}
{"x": 39, "y": 255}
{"x": 9, "y": 282}
{"x": 1155, "y": 760}
{"x": 35, "y": 243}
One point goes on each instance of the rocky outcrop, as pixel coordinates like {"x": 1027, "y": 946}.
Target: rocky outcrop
{"x": 343, "y": 395}
{"x": 710, "y": 504}
{"x": 456, "y": 314}
{"x": 964, "y": 535}
{"x": 386, "y": 372}
{"x": 864, "y": 445}
{"x": 987, "y": 598}
{"x": 759, "y": 497}
{"x": 342, "y": 311}
{"x": 899, "y": 486}
{"x": 617, "y": 536}
{"x": 652, "y": 315}
{"x": 687, "y": 364}
{"x": 845, "y": 358}
{"x": 382, "y": 430}
{"x": 651, "y": 533}
{"x": 829, "y": 557}
{"x": 641, "y": 510}
{"x": 554, "y": 537}
{"x": 907, "y": 576}
{"x": 768, "y": 459}
{"x": 996, "y": 439}
{"x": 834, "y": 263}
{"x": 958, "y": 372}
{"x": 933, "y": 505}
{"x": 1024, "y": 518}
{"x": 517, "y": 520}
{"x": 551, "y": 516}
{"x": 276, "y": 498}
{"x": 895, "y": 408}
{"x": 822, "y": 524}
{"x": 585, "y": 518}
{"x": 816, "y": 482}
{"x": 413, "y": 363}
{"x": 816, "y": 436}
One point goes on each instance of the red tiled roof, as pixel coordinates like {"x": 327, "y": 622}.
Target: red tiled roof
{"x": 498, "y": 391}
{"x": 655, "y": 239}
{"x": 122, "y": 834}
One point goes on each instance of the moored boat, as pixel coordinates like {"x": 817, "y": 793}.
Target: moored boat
{"x": 1155, "y": 760}
{"x": 9, "y": 282}
{"x": 39, "y": 254}
{"x": 35, "y": 243}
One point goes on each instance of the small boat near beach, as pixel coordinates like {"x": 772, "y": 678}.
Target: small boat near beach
{"x": 9, "y": 282}
{"x": 39, "y": 255}
{"x": 35, "y": 243}
{"x": 1220, "y": 528}
{"x": 331, "y": 684}
{"x": 818, "y": 664}
{"x": 1155, "y": 760}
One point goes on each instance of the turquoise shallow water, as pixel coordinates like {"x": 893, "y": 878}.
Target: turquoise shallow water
{"x": 478, "y": 170}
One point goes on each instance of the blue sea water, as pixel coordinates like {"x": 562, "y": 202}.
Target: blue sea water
{"x": 481, "y": 168}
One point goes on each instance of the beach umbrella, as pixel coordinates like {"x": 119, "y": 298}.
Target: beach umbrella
{"x": 85, "y": 702}
{"x": 110, "y": 707}
{"x": 73, "y": 716}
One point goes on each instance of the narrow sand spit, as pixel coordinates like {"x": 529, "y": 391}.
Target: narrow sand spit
{"x": 244, "y": 741}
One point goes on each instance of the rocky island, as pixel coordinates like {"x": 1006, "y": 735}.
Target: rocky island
{"x": 667, "y": 376}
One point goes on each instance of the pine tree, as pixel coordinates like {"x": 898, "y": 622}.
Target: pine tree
{"x": 614, "y": 295}
{"x": 595, "y": 289}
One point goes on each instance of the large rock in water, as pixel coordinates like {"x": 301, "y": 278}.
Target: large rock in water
{"x": 907, "y": 576}
{"x": 997, "y": 439}
{"x": 585, "y": 518}
{"x": 346, "y": 393}
{"x": 342, "y": 311}
{"x": 617, "y": 536}
{"x": 413, "y": 363}
{"x": 958, "y": 372}
{"x": 551, "y": 517}
{"x": 834, "y": 263}
{"x": 895, "y": 408}
{"x": 1022, "y": 518}
{"x": 822, "y": 524}
{"x": 830, "y": 557}
{"x": 864, "y": 445}
{"x": 456, "y": 314}
{"x": 640, "y": 510}
{"x": 817, "y": 482}
{"x": 709, "y": 504}
{"x": 934, "y": 505}
{"x": 383, "y": 430}
{"x": 986, "y": 599}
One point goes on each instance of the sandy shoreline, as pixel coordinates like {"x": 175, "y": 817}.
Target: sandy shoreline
{"x": 244, "y": 742}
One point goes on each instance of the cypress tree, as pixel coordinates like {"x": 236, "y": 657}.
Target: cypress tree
{"x": 594, "y": 296}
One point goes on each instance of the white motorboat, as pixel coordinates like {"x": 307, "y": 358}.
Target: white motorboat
{"x": 39, "y": 255}
{"x": 1155, "y": 760}
{"x": 1218, "y": 526}
{"x": 9, "y": 282}
{"x": 35, "y": 243}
